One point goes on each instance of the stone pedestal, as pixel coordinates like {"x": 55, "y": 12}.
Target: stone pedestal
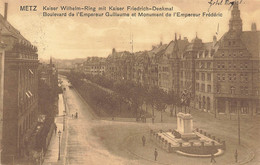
{"x": 185, "y": 125}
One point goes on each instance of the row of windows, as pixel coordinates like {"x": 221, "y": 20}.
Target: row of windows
{"x": 203, "y": 76}
{"x": 98, "y": 67}
{"x": 232, "y": 90}
{"x": 205, "y": 54}
{"x": 164, "y": 69}
{"x": 186, "y": 74}
{"x": 233, "y": 77}
{"x": 202, "y": 88}
{"x": 203, "y": 65}
{"x": 232, "y": 65}
{"x": 232, "y": 53}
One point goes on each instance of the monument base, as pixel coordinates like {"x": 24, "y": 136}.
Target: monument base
{"x": 189, "y": 136}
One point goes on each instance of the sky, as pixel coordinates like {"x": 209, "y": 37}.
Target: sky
{"x": 81, "y": 37}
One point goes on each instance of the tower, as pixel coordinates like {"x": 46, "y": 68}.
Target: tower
{"x": 235, "y": 22}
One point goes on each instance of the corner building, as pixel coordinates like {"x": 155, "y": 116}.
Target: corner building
{"x": 20, "y": 101}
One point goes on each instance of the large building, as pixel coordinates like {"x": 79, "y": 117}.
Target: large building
{"x": 20, "y": 101}
{"x": 236, "y": 68}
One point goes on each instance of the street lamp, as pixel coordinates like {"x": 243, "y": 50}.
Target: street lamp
{"x": 59, "y": 144}
{"x": 64, "y": 120}
{"x": 238, "y": 125}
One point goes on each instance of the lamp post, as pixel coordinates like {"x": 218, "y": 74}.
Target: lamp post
{"x": 238, "y": 125}
{"x": 59, "y": 144}
{"x": 64, "y": 120}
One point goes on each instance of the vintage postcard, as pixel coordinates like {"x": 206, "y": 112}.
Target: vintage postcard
{"x": 129, "y": 82}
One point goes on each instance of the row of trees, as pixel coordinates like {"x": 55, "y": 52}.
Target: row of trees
{"x": 127, "y": 92}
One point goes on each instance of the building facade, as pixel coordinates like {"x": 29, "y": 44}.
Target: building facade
{"x": 236, "y": 68}
{"x": 20, "y": 102}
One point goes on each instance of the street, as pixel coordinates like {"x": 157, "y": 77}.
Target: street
{"x": 91, "y": 140}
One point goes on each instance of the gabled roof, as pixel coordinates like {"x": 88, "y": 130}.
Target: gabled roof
{"x": 251, "y": 39}
{"x": 9, "y": 30}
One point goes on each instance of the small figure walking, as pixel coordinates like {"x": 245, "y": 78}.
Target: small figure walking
{"x": 76, "y": 116}
{"x": 55, "y": 128}
{"x": 72, "y": 116}
{"x": 212, "y": 158}
{"x": 236, "y": 155}
{"x": 143, "y": 140}
{"x": 155, "y": 154}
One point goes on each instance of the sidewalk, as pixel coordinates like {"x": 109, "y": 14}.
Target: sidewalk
{"x": 52, "y": 154}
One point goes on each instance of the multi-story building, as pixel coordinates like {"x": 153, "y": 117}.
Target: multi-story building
{"x": 204, "y": 92}
{"x": 116, "y": 67}
{"x": 20, "y": 102}
{"x": 169, "y": 65}
{"x": 236, "y": 68}
{"x": 93, "y": 66}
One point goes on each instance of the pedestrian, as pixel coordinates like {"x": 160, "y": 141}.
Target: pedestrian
{"x": 55, "y": 128}
{"x": 236, "y": 155}
{"x": 76, "y": 116}
{"x": 143, "y": 140}
{"x": 72, "y": 116}
{"x": 212, "y": 158}
{"x": 155, "y": 154}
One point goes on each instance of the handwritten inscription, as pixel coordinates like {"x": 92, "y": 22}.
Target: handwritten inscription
{"x": 223, "y": 2}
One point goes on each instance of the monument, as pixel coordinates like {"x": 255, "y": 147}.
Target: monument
{"x": 185, "y": 126}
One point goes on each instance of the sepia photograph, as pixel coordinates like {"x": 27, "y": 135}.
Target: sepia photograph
{"x": 129, "y": 82}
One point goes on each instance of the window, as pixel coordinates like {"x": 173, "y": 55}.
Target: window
{"x": 223, "y": 77}
{"x": 218, "y": 75}
{"x": 229, "y": 65}
{"x": 197, "y": 76}
{"x": 197, "y": 86}
{"x": 203, "y": 76}
{"x": 209, "y": 88}
{"x": 223, "y": 65}
{"x": 234, "y": 77}
{"x": 219, "y": 65}
{"x": 232, "y": 90}
{"x": 246, "y": 65}
{"x": 206, "y": 53}
{"x": 208, "y": 65}
{"x": 246, "y": 77}
{"x": 230, "y": 77}
{"x": 218, "y": 88}
{"x": 241, "y": 65}
{"x": 202, "y": 65}
{"x": 203, "y": 87}
{"x": 209, "y": 77}
{"x": 246, "y": 90}
{"x": 242, "y": 90}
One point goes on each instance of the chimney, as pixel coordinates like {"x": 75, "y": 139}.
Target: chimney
{"x": 6, "y": 8}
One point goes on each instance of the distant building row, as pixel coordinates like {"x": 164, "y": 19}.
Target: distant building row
{"x": 222, "y": 76}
